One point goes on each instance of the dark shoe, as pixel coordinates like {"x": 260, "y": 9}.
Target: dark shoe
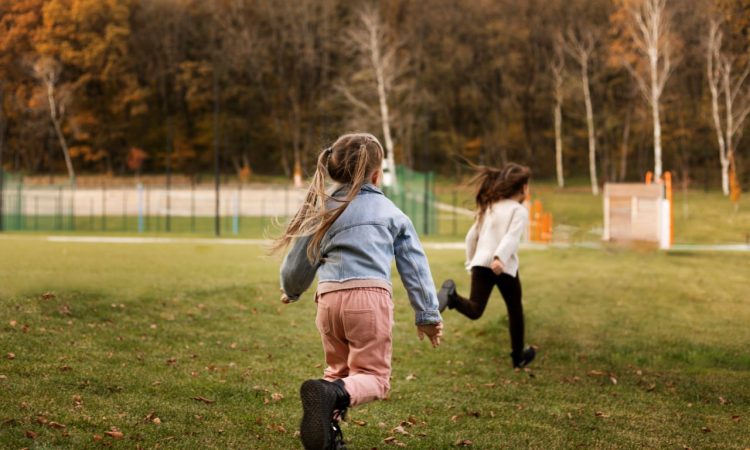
{"x": 320, "y": 400}
{"x": 524, "y": 358}
{"x": 446, "y": 295}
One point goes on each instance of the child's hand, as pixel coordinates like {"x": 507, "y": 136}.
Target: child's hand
{"x": 285, "y": 298}
{"x": 497, "y": 266}
{"x": 433, "y": 331}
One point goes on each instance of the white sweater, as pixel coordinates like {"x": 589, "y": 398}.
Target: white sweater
{"x": 502, "y": 227}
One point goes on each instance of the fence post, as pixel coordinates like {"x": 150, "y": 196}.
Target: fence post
{"x": 192, "y": 206}
{"x": 426, "y": 206}
{"x": 19, "y": 201}
{"x": 59, "y": 208}
{"x": 124, "y": 209}
{"x": 72, "y": 207}
{"x": 104, "y": 208}
{"x": 455, "y": 219}
{"x": 139, "y": 196}
{"x": 2, "y": 196}
{"x": 236, "y": 213}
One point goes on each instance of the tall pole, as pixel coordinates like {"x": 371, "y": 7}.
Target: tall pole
{"x": 2, "y": 172}
{"x": 217, "y": 212}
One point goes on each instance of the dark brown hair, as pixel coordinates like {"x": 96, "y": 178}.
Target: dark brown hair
{"x": 498, "y": 184}
{"x": 349, "y": 161}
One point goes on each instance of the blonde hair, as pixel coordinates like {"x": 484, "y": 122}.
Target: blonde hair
{"x": 349, "y": 161}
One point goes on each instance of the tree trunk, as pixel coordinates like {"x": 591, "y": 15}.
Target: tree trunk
{"x": 726, "y": 158}
{"x": 383, "y": 100}
{"x": 558, "y": 139}
{"x": 590, "y": 126}
{"x": 625, "y": 145}
{"x": 58, "y": 129}
{"x": 655, "y": 94}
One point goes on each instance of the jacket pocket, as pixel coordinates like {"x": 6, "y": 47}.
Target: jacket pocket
{"x": 359, "y": 325}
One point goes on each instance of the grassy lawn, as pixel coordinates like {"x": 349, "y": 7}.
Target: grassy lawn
{"x": 649, "y": 350}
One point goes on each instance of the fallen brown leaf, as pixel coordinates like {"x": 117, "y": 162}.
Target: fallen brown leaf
{"x": 464, "y": 443}
{"x": 11, "y": 356}
{"x": 736, "y": 418}
{"x": 276, "y": 396}
{"x": 595, "y": 373}
{"x": 400, "y": 430}
{"x": 411, "y": 377}
{"x": 361, "y": 423}
{"x": 114, "y": 434}
{"x": 48, "y": 296}
{"x": 56, "y": 425}
{"x": 97, "y": 437}
{"x": 722, "y": 400}
{"x": 601, "y": 414}
{"x": 204, "y": 400}
{"x": 706, "y": 429}
{"x": 30, "y": 434}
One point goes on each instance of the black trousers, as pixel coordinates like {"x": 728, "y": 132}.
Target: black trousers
{"x": 482, "y": 282}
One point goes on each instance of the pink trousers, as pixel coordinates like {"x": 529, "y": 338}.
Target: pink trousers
{"x": 355, "y": 326}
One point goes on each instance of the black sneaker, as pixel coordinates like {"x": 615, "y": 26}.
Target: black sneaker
{"x": 524, "y": 359}
{"x": 320, "y": 400}
{"x": 446, "y": 295}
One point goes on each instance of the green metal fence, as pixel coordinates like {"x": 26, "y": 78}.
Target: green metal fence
{"x": 414, "y": 194}
{"x": 133, "y": 208}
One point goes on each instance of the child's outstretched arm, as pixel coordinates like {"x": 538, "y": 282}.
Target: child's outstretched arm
{"x": 297, "y": 273}
{"x": 414, "y": 271}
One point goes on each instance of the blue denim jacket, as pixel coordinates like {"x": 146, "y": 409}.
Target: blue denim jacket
{"x": 360, "y": 245}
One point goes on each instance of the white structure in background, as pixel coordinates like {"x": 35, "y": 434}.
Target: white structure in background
{"x": 635, "y": 212}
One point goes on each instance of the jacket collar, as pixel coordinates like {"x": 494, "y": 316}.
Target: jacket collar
{"x": 366, "y": 188}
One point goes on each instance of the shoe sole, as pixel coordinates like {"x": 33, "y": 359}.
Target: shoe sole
{"x": 445, "y": 289}
{"x": 315, "y": 427}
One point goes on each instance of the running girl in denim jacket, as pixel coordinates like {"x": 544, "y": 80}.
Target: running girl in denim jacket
{"x": 349, "y": 238}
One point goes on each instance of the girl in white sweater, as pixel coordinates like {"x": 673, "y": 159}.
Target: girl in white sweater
{"x": 492, "y": 252}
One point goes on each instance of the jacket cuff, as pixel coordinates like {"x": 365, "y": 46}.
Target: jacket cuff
{"x": 430, "y": 317}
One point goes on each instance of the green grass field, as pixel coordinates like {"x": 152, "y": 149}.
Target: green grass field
{"x": 637, "y": 350}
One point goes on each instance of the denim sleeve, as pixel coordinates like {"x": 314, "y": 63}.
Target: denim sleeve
{"x": 297, "y": 273}
{"x": 414, "y": 270}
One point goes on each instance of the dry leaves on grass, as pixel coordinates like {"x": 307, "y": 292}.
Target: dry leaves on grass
{"x": 602, "y": 414}
{"x": 391, "y": 440}
{"x": 400, "y": 430}
{"x": 276, "y": 396}
{"x": 360, "y": 423}
{"x": 706, "y": 429}
{"x": 411, "y": 377}
{"x": 115, "y": 434}
{"x": 48, "y": 296}
{"x": 11, "y": 356}
{"x": 204, "y": 400}
{"x": 464, "y": 443}
{"x": 30, "y": 434}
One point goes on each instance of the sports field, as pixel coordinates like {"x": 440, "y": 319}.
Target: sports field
{"x": 186, "y": 346}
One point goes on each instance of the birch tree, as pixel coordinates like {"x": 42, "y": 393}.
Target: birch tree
{"x": 47, "y": 71}
{"x": 374, "y": 43}
{"x": 558, "y": 69}
{"x": 650, "y": 34}
{"x": 580, "y": 46}
{"x": 722, "y": 82}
